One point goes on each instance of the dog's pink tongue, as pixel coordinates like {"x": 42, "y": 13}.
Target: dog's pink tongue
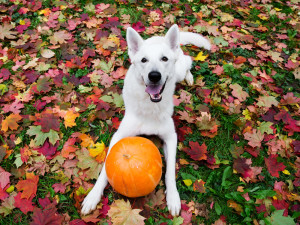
{"x": 153, "y": 89}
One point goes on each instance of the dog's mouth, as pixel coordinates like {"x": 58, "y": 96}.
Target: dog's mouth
{"x": 155, "y": 91}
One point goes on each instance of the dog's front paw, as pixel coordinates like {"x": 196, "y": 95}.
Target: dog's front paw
{"x": 173, "y": 202}
{"x": 90, "y": 201}
{"x": 189, "y": 79}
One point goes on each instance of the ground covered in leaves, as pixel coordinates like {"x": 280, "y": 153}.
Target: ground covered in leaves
{"x": 62, "y": 65}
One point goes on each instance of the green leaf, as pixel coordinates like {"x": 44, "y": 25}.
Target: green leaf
{"x": 227, "y": 173}
{"x": 40, "y": 137}
{"x": 3, "y": 89}
{"x": 177, "y": 220}
{"x": 218, "y": 208}
{"x": 264, "y": 194}
{"x": 277, "y": 218}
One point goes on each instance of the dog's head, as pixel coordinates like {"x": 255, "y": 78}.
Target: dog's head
{"x": 154, "y": 59}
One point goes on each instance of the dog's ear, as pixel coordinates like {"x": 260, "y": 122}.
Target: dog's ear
{"x": 172, "y": 37}
{"x": 134, "y": 41}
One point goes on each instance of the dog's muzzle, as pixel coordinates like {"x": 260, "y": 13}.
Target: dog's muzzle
{"x": 155, "y": 91}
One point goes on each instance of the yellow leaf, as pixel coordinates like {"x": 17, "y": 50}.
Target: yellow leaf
{"x": 98, "y": 150}
{"x": 200, "y": 57}
{"x": 80, "y": 191}
{"x": 188, "y": 182}
{"x": 22, "y": 22}
{"x": 10, "y": 189}
{"x": 246, "y": 113}
{"x": 286, "y": 172}
{"x": 70, "y": 118}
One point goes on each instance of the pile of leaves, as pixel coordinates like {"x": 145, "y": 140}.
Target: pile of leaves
{"x": 62, "y": 66}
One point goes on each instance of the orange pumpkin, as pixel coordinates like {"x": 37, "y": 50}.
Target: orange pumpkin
{"x": 134, "y": 166}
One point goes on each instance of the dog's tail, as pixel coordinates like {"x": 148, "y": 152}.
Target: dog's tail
{"x": 194, "y": 39}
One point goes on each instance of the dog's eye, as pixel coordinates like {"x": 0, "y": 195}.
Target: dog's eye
{"x": 144, "y": 60}
{"x": 165, "y": 59}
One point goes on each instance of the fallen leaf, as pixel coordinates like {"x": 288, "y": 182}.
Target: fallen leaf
{"x": 121, "y": 212}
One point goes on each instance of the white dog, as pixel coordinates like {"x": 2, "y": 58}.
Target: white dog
{"x": 158, "y": 64}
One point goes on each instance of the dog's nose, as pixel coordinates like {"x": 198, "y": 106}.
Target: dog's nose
{"x": 154, "y": 76}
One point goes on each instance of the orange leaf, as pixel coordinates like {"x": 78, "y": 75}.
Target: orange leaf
{"x": 70, "y": 118}
{"x": 11, "y": 122}
{"x": 28, "y": 186}
{"x": 68, "y": 147}
{"x": 86, "y": 140}
{"x": 240, "y": 60}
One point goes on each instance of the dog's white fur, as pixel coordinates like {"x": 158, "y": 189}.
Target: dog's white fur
{"x": 142, "y": 116}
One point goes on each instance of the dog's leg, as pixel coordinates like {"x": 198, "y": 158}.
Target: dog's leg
{"x": 189, "y": 79}
{"x": 182, "y": 68}
{"x": 173, "y": 199}
{"x": 93, "y": 198}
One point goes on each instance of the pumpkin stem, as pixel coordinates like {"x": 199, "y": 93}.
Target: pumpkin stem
{"x": 127, "y": 156}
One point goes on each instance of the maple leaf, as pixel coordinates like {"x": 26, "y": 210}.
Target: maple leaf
{"x": 28, "y": 186}
{"x": 8, "y": 205}
{"x": 242, "y": 166}
{"x": 199, "y": 186}
{"x": 218, "y": 70}
{"x": 255, "y": 138}
{"x": 200, "y": 57}
{"x": 40, "y": 137}
{"x": 46, "y": 216}
{"x": 121, "y": 212}
{"x": 5, "y": 31}
{"x": 58, "y": 187}
{"x": 273, "y": 165}
{"x": 47, "y": 53}
{"x": 60, "y": 37}
{"x": 25, "y": 205}
{"x": 4, "y": 178}
{"x": 156, "y": 198}
{"x": 98, "y": 150}
{"x": 197, "y": 152}
{"x": 48, "y": 149}
{"x": 68, "y": 147}
{"x": 237, "y": 91}
{"x": 277, "y": 218}
{"x": 43, "y": 85}
{"x": 240, "y": 60}
{"x": 11, "y": 122}
{"x": 187, "y": 217}
{"x": 88, "y": 163}
{"x": 14, "y": 107}
{"x": 70, "y": 118}
{"x": 267, "y": 101}
{"x": 232, "y": 204}
{"x": 265, "y": 127}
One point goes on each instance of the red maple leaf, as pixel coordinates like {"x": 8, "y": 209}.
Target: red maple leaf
{"x": 88, "y": 53}
{"x": 242, "y": 166}
{"x": 274, "y": 166}
{"x": 48, "y": 120}
{"x": 4, "y": 178}
{"x": 48, "y": 149}
{"x": 28, "y": 186}
{"x": 105, "y": 207}
{"x": 46, "y": 216}
{"x": 139, "y": 26}
{"x": 25, "y": 205}
{"x": 281, "y": 204}
{"x": 3, "y": 194}
{"x": 197, "y": 152}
